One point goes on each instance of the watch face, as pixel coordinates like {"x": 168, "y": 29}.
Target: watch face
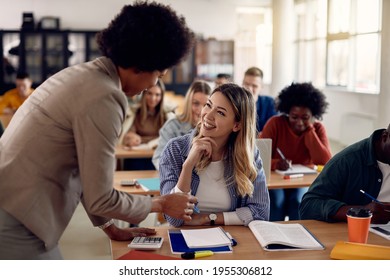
{"x": 213, "y": 216}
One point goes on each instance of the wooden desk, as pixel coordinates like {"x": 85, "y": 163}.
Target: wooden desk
{"x": 276, "y": 181}
{"x": 122, "y": 153}
{"x": 248, "y": 247}
{"x": 126, "y": 175}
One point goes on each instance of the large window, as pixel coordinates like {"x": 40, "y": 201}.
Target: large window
{"x": 253, "y": 42}
{"x": 343, "y": 36}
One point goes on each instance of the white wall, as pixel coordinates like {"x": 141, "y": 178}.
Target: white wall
{"x": 212, "y": 18}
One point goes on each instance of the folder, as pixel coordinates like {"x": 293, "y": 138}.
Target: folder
{"x": 142, "y": 255}
{"x": 357, "y": 251}
{"x": 179, "y": 245}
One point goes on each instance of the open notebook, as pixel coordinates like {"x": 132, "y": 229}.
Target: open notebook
{"x": 297, "y": 169}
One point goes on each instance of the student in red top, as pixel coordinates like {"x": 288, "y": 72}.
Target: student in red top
{"x": 300, "y": 137}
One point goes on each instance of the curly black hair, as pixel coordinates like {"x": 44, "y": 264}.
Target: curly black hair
{"x": 302, "y": 95}
{"x": 148, "y": 36}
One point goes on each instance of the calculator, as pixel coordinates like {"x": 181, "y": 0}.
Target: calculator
{"x": 146, "y": 243}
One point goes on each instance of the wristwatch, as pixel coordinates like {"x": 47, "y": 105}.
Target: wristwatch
{"x": 212, "y": 218}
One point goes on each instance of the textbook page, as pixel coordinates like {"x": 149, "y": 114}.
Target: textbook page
{"x": 281, "y": 237}
{"x": 208, "y": 237}
{"x": 297, "y": 169}
{"x": 381, "y": 229}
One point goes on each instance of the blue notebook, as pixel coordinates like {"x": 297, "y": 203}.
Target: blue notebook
{"x": 179, "y": 246}
{"x": 152, "y": 184}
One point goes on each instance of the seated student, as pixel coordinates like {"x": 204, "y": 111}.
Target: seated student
{"x": 14, "y": 98}
{"x": 265, "y": 105}
{"x": 300, "y": 137}
{"x": 365, "y": 166}
{"x": 221, "y": 79}
{"x": 219, "y": 162}
{"x": 149, "y": 117}
{"x": 144, "y": 123}
{"x": 196, "y": 98}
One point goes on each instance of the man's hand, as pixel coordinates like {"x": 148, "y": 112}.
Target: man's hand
{"x": 122, "y": 234}
{"x": 380, "y": 212}
{"x": 176, "y": 205}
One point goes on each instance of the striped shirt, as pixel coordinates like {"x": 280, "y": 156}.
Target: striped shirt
{"x": 247, "y": 208}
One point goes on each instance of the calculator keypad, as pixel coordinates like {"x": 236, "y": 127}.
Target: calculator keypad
{"x": 146, "y": 243}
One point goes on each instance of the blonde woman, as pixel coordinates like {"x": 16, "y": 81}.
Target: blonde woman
{"x": 219, "y": 163}
{"x": 196, "y": 98}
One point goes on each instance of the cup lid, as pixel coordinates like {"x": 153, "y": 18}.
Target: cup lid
{"x": 359, "y": 212}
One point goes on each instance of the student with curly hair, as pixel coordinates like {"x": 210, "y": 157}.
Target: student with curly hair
{"x": 196, "y": 98}
{"x": 301, "y": 138}
{"x": 64, "y": 137}
{"x": 219, "y": 163}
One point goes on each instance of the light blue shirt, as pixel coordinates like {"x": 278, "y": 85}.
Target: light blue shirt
{"x": 247, "y": 208}
{"x": 172, "y": 128}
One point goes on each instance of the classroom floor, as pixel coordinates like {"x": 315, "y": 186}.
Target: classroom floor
{"x": 82, "y": 241}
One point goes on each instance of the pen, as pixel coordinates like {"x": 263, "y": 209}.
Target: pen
{"x": 234, "y": 242}
{"x": 371, "y": 197}
{"x": 283, "y": 157}
{"x": 196, "y": 255}
{"x": 280, "y": 153}
{"x": 196, "y": 209}
{"x": 292, "y": 176}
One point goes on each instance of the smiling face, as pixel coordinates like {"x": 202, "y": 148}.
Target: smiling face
{"x": 218, "y": 119}
{"x": 199, "y": 99}
{"x": 153, "y": 97}
{"x": 300, "y": 118}
{"x": 135, "y": 82}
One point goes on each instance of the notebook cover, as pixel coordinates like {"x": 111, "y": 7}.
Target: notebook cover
{"x": 142, "y": 255}
{"x": 152, "y": 184}
{"x": 179, "y": 246}
{"x": 356, "y": 251}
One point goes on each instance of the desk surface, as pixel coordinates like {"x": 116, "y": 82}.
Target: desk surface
{"x": 276, "y": 181}
{"x": 248, "y": 247}
{"x": 122, "y": 153}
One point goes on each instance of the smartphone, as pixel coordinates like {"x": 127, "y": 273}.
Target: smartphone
{"x": 129, "y": 183}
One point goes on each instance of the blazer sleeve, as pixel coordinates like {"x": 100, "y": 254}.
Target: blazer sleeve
{"x": 96, "y": 129}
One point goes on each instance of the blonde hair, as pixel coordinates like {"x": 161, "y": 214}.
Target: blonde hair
{"x": 143, "y": 110}
{"x": 196, "y": 86}
{"x": 241, "y": 144}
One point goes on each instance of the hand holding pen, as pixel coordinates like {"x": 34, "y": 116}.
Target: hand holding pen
{"x": 284, "y": 163}
{"x": 380, "y": 210}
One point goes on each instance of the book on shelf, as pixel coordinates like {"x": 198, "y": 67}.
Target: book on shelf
{"x": 381, "y": 230}
{"x": 297, "y": 169}
{"x": 178, "y": 244}
{"x": 149, "y": 184}
{"x": 152, "y": 144}
{"x": 284, "y": 237}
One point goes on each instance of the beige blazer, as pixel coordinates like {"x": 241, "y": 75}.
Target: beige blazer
{"x": 59, "y": 149}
